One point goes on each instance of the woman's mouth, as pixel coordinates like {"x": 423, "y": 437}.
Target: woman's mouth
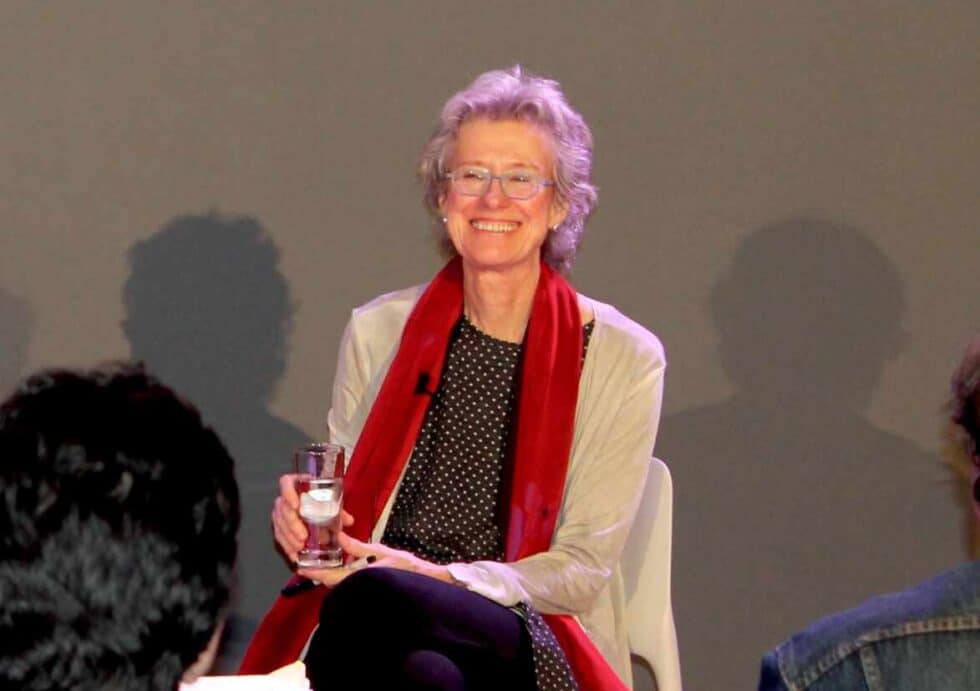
{"x": 495, "y": 226}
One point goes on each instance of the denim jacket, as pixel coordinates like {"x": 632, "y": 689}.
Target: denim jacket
{"x": 924, "y": 638}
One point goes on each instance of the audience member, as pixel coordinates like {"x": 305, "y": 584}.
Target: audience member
{"x": 926, "y": 637}
{"x": 118, "y": 520}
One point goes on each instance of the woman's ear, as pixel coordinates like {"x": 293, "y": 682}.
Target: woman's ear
{"x": 558, "y": 213}
{"x": 442, "y": 210}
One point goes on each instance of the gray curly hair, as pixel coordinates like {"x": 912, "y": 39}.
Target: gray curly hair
{"x": 515, "y": 94}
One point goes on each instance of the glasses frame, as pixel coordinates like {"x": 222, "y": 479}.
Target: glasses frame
{"x": 539, "y": 182}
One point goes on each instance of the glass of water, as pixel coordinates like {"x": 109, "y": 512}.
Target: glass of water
{"x": 320, "y": 486}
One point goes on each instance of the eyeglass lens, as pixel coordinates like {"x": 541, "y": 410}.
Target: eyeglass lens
{"x": 476, "y": 182}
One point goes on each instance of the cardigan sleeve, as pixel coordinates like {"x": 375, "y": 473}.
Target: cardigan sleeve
{"x": 615, "y": 435}
{"x": 349, "y": 385}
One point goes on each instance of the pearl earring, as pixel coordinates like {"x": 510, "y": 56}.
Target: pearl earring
{"x": 445, "y": 220}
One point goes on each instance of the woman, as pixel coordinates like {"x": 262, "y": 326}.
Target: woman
{"x": 501, "y": 425}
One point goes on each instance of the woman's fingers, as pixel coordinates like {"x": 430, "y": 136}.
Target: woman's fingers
{"x": 356, "y": 548}
{"x": 287, "y": 490}
{"x": 289, "y": 546}
{"x": 290, "y": 521}
{"x": 376, "y": 554}
{"x": 328, "y": 577}
{"x": 291, "y": 553}
{"x": 289, "y": 529}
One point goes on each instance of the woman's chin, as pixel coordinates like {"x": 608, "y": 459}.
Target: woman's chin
{"x": 498, "y": 264}
{"x": 497, "y": 254}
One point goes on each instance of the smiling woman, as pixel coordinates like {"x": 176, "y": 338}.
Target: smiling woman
{"x": 498, "y": 456}
{"x": 498, "y": 237}
{"x": 488, "y": 227}
{"x": 511, "y": 95}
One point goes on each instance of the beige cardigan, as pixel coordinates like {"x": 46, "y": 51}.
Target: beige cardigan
{"x": 615, "y": 428}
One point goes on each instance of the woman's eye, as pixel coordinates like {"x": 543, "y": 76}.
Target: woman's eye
{"x": 472, "y": 174}
{"x": 520, "y": 177}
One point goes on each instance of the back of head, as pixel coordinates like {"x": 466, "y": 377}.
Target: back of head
{"x": 118, "y": 521}
{"x": 964, "y": 452}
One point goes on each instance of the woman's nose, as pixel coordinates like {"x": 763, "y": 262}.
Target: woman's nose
{"x": 494, "y": 196}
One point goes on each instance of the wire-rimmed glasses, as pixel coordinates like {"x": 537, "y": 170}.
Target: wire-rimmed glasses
{"x": 474, "y": 181}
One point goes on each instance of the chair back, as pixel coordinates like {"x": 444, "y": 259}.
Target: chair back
{"x": 646, "y": 574}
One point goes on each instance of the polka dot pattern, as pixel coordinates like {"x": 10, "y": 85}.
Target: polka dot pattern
{"x": 551, "y": 670}
{"x": 448, "y": 504}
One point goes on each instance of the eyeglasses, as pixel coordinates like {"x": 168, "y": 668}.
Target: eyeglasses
{"x": 473, "y": 181}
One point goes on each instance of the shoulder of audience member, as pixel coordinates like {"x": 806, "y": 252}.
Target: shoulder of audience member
{"x": 947, "y": 599}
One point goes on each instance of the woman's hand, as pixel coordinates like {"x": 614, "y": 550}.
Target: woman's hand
{"x": 371, "y": 555}
{"x": 289, "y": 528}
{"x": 376, "y": 554}
{"x": 331, "y": 576}
{"x": 291, "y": 534}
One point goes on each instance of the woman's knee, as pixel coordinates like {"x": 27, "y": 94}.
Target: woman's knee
{"x": 365, "y": 581}
{"x": 427, "y": 670}
{"x": 373, "y": 589}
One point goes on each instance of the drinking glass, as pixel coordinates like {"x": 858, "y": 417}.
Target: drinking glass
{"x": 320, "y": 485}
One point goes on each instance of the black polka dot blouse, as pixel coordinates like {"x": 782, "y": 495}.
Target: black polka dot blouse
{"x": 448, "y": 508}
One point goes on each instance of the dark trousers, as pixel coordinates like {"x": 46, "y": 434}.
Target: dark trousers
{"x": 391, "y": 629}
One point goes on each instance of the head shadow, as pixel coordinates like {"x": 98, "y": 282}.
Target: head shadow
{"x": 808, "y": 300}
{"x": 208, "y": 310}
{"x": 789, "y": 502}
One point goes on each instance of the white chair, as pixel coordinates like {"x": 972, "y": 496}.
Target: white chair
{"x": 646, "y": 575}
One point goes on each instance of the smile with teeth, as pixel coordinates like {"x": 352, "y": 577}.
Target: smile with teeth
{"x": 495, "y": 226}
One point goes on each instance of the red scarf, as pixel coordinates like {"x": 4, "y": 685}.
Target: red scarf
{"x": 547, "y": 397}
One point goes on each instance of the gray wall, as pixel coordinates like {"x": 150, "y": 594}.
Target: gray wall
{"x": 788, "y": 198}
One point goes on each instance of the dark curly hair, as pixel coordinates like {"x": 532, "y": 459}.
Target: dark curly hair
{"x": 118, "y": 520}
{"x": 964, "y": 406}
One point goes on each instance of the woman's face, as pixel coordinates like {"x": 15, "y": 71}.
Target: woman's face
{"x": 491, "y": 231}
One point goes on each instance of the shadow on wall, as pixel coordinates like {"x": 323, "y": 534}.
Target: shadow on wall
{"x": 789, "y": 503}
{"x": 209, "y": 311}
{"x": 16, "y": 323}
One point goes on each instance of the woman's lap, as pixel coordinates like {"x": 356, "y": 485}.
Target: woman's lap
{"x": 380, "y": 627}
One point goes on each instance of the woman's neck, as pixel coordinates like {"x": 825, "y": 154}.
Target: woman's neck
{"x": 499, "y": 303}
